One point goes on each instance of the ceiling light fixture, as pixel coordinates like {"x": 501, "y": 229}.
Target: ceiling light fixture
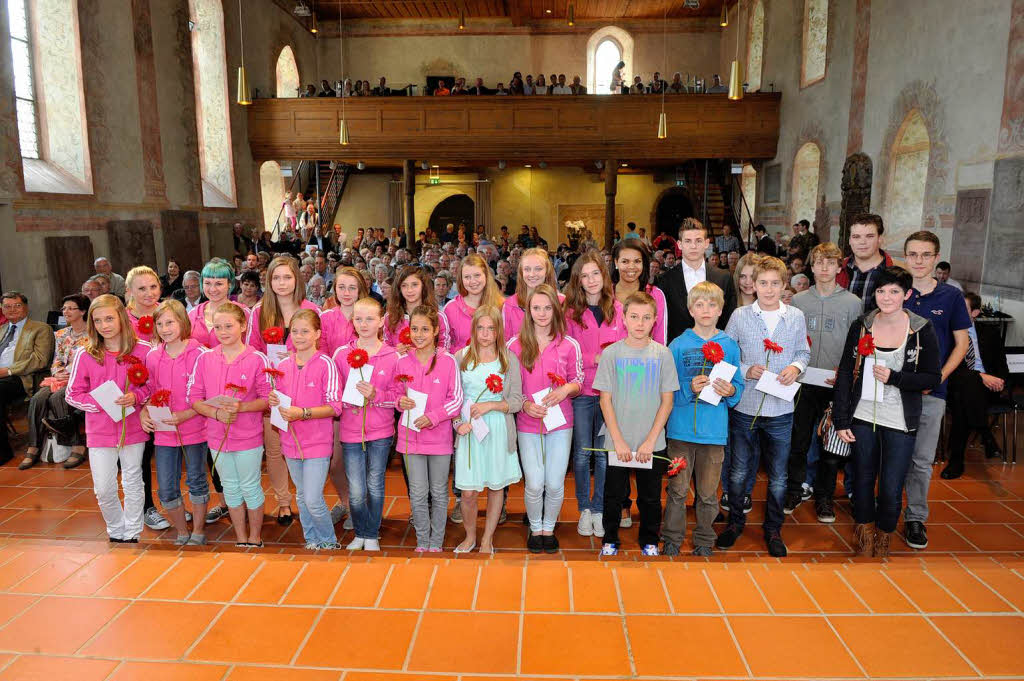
{"x": 736, "y": 71}
{"x": 313, "y": 27}
{"x": 243, "y": 82}
{"x": 527, "y": 165}
{"x": 724, "y": 21}
{"x": 342, "y": 124}
{"x": 571, "y": 16}
{"x": 462, "y": 19}
{"x": 662, "y": 119}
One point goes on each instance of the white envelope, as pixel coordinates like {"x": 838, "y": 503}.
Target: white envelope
{"x": 277, "y": 353}
{"x": 105, "y": 396}
{"x": 815, "y": 376}
{"x": 613, "y": 460}
{"x": 555, "y": 418}
{"x": 480, "y": 429}
{"x": 870, "y": 384}
{"x": 276, "y": 419}
{"x": 409, "y": 420}
{"x": 158, "y": 414}
{"x": 351, "y": 395}
{"x": 722, "y": 370}
{"x": 769, "y": 383}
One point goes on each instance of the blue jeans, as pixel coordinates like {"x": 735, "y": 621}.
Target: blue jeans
{"x": 884, "y": 454}
{"x": 309, "y": 476}
{"x": 365, "y": 472}
{"x": 751, "y": 471}
{"x": 587, "y": 422}
{"x": 168, "y": 474}
{"x": 778, "y": 430}
{"x": 544, "y": 476}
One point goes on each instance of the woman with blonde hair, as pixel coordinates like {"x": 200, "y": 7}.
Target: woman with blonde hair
{"x": 349, "y": 287}
{"x": 142, "y": 294}
{"x": 284, "y": 297}
{"x": 489, "y": 464}
{"x": 109, "y": 355}
{"x": 534, "y": 269}
{"x": 477, "y": 288}
{"x": 743, "y": 278}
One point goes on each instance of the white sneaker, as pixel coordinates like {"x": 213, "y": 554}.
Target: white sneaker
{"x": 597, "y": 522}
{"x": 585, "y": 526}
{"x": 626, "y": 522}
{"x": 371, "y": 545}
{"x": 357, "y": 544}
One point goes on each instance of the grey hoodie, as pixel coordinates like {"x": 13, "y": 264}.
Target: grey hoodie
{"x": 828, "y": 321}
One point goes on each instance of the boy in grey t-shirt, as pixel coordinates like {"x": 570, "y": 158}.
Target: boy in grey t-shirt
{"x": 637, "y": 381}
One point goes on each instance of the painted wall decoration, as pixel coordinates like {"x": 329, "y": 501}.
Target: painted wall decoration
{"x": 1004, "y": 256}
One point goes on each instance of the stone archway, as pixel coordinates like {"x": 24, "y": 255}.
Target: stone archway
{"x": 454, "y": 209}
{"x": 856, "y": 187}
{"x": 672, "y": 206}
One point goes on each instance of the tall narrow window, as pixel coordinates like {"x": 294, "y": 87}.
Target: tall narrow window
{"x": 272, "y": 189}
{"x": 806, "y": 168}
{"x": 908, "y": 175}
{"x": 815, "y": 40}
{"x": 755, "y": 47}
{"x": 748, "y": 183}
{"x": 209, "y": 67}
{"x": 287, "y": 74}
{"x": 606, "y": 58}
{"x": 24, "y": 79}
{"x": 606, "y": 47}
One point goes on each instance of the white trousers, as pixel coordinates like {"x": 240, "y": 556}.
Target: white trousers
{"x": 122, "y": 522}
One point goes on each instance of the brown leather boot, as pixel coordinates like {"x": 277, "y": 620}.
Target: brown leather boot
{"x": 881, "y": 538}
{"x": 864, "y": 539}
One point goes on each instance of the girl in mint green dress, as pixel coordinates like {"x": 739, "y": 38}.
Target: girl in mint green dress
{"x": 492, "y": 463}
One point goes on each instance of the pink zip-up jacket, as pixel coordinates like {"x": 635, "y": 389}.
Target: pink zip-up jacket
{"x": 443, "y": 387}
{"x": 209, "y": 378}
{"x": 443, "y": 334}
{"x": 562, "y": 356}
{"x": 592, "y": 339}
{"x": 172, "y": 373}
{"x": 198, "y": 319}
{"x": 86, "y": 375}
{"x": 660, "y": 330}
{"x": 513, "y": 315}
{"x": 459, "y": 316}
{"x": 313, "y": 385}
{"x": 335, "y": 330}
{"x": 380, "y": 414}
{"x": 254, "y": 334}
{"x": 150, "y": 338}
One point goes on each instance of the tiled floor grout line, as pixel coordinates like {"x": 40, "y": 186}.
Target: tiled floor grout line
{"x": 337, "y": 586}
{"x": 206, "y": 630}
{"x": 383, "y": 586}
{"x": 246, "y": 584}
{"x": 51, "y": 557}
{"x": 291, "y": 585}
{"x": 163, "y": 574}
{"x": 955, "y": 647}
{"x": 990, "y": 588}
{"x": 476, "y": 587}
{"x": 106, "y": 625}
{"x": 521, "y": 622}
{"x": 419, "y": 619}
{"x": 119, "y": 573}
{"x": 728, "y": 624}
{"x": 969, "y": 542}
{"x": 849, "y": 586}
{"x": 569, "y": 579}
{"x": 305, "y": 639}
{"x": 664, "y": 590}
{"x": 929, "y": 575}
{"x": 771, "y": 608}
{"x": 622, "y": 620}
{"x": 847, "y": 648}
{"x": 210, "y": 573}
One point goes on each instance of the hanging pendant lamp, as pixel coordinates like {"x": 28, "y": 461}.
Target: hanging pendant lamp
{"x": 736, "y": 71}
{"x": 242, "y": 96}
{"x": 571, "y": 16}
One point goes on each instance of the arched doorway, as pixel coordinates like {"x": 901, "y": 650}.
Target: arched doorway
{"x": 673, "y": 207}
{"x": 454, "y": 209}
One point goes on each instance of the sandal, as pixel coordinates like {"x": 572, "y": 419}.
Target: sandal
{"x": 76, "y": 458}
{"x": 284, "y": 516}
{"x": 31, "y": 459}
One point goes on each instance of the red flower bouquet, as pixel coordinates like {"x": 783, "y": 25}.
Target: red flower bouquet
{"x": 273, "y": 336}
{"x": 769, "y": 348}
{"x": 146, "y": 325}
{"x": 357, "y": 359}
{"x": 495, "y": 385}
{"x": 713, "y": 353}
{"x": 405, "y": 336}
{"x": 866, "y": 348}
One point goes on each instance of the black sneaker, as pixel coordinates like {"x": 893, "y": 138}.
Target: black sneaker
{"x": 806, "y": 492}
{"x": 776, "y": 547}
{"x": 535, "y": 544}
{"x": 825, "y": 510}
{"x": 748, "y": 504}
{"x": 550, "y": 543}
{"x": 915, "y": 535}
{"x": 728, "y": 537}
{"x": 792, "y": 500}
{"x": 724, "y": 503}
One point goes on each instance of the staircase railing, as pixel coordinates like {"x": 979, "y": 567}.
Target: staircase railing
{"x": 275, "y": 234}
{"x": 332, "y": 193}
{"x": 744, "y": 208}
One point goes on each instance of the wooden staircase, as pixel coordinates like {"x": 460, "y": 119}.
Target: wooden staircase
{"x": 715, "y": 201}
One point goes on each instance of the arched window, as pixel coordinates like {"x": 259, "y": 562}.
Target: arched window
{"x": 606, "y": 47}
{"x": 748, "y": 184}
{"x": 806, "y": 168}
{"x": 272, "y": 190}
{"x": 209, "y": 68}
{"x": 755, "y": 47}
{"x": 815, "y": 40}
{"x": 52, "y": 127}
{"x": 908, "y": 174}
{"x": 287, "y": 74}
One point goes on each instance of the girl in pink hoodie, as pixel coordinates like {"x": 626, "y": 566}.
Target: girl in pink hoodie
{"x": 428, "y": 445}
{"x": 477, "y": 288}
{"x": 367, "y": 431}
{"x": 170, "y": 364}
{"x": 310, "y": 379}
{"x": 109, "y": 356}
{"x": 535, "y": 268}
{"x": 336, "y": 322}
{"x": 412, "y": 288}
{"x": 548, "y": 359}
{"x": 233, "y": 377}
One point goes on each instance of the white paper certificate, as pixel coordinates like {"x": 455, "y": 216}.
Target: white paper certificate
{"x": 105, "y": 395}
{"x": 158, "y": 414}
{"x": 722, "y": 370}
{"x": 555, "y": 418}
{"x": 277, "y": 353}
{"x": 613, "y": 460}
{"x": 871, "y": 384}
{"x": 769, "y": 383}
{"x": 409, "y": 420}
{"x": 816, "y": 376}
{"x": 480, "y": 429}
{"x": 276, "y": 419}
{"x": 352, "y": 395}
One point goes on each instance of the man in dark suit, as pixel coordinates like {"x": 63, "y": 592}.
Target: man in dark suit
{"x": 26, "y": 347}
{"x": 189, "y": 294}
{"x": 674, "y": 283}
{"x": 479, "y": 88}
{"x": 382, "y": 90}
{"x": 765, "y": 244}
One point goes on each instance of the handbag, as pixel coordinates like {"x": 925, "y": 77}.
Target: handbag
{"x": 830, "y": 440}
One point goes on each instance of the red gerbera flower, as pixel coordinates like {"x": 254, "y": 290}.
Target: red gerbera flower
{"x": 494, "y": 383}
{"x": 555, "y": 379}
{"x": 234, "y": 387}
{"x": 809, "y": 343}
{"x": 273, "y": 335}
{"x": 161, "y": 398}
{"x": 357, "y": 358}
{"x": 137, "y": 374}
{"x": 146, "y": 325}
{"x": 273, "y": 373}
{"x": 403, "y": 378}
{"x": 677, "y": 464}
{"x": 770, "y": 346}
{"x": 128, "y": 359}
{"x": 713, "y": 352}
{"x": 866, "y": 345}
{"x": 405, "y": 336}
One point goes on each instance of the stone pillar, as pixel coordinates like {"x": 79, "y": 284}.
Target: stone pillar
{"x": 409, "y": 182}
{"x": 611, "y": 177}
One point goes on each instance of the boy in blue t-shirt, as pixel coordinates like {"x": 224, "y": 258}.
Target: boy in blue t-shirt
{"x": 698, "y": 430}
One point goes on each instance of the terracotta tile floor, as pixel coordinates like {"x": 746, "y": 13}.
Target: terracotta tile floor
{"x": 73, "y": 607}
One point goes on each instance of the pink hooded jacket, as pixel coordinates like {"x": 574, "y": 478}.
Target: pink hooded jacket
{"x": 210, "y": 377}
{"x": 198, "y": 319}
{"x": 171, "y": 373}
{"x": 254, "y": 334}
{"x": 592, "y": 339}
{"x": 443, "y": 334}
{"x": 563, "y": 357}
{"x": 443, "y": 387}
{"x": 513, "y": 315}
{"x": 380, "y": 414}
{"x": 335, "y": 330}
{"x": 313, "y": 385}
{"x": 86, "y": 375}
